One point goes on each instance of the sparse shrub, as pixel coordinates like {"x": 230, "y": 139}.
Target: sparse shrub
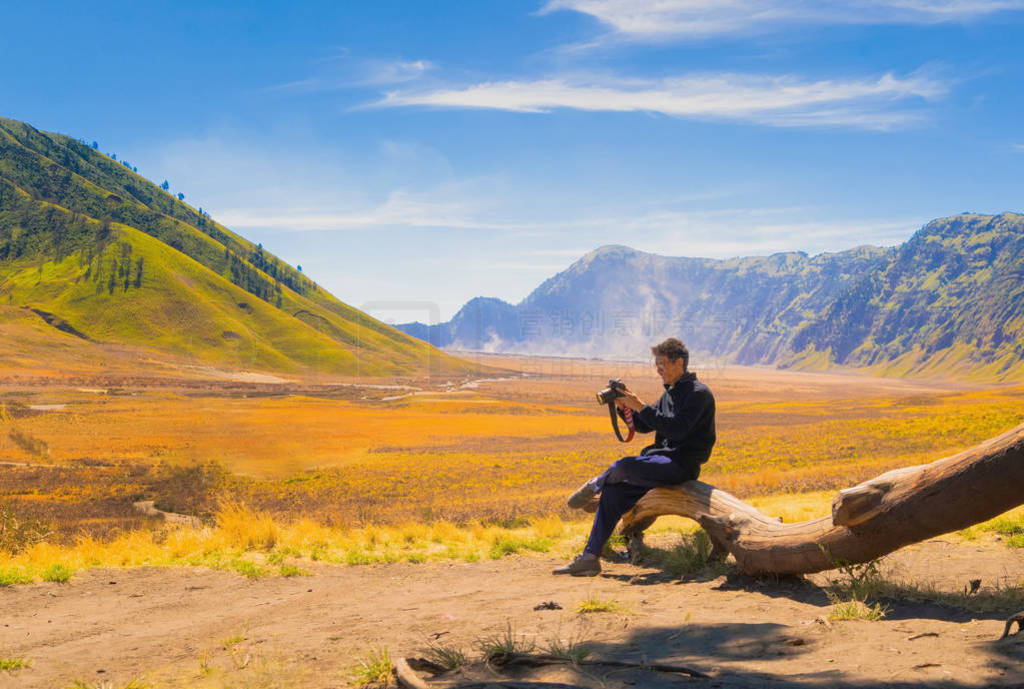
{"x": 17, "y": 534}
{"x": 204, "y": 663}
{"x": 231, "y": 641}
{"x": 12, "y": 664}
{"x": 858, "y": 581}
{"x": 690, "y": 557}
{"x": 517, "y": 521}
{"x": 247, "y": 568}
{"x": 292, "y": 571}
{"x": 505, "y": 644}
{"x": 573, "y": 648}
{"x": 189, "y": 490}
{"x": 247, "y": 529}
{"x": 58, "y": 573}
{"x": 609, "y": 552}
{"x": 12, "y": 575}
{"x": 82, "y": 684}
{"x": 856, "y": 610}
{"x": 999, "y": 597}
{"x": 589, "y": 605}
{"x": 510, "y": 546}
{"x": 969, "y": 534}
{"x": 374, "y": 670}
{"x": 33, "y": 446}
{"x": 447, "y": 657}
{"x": 849, "y": 593}
{"x": 356, "y": 557}
{"x": 1010, "y": 527}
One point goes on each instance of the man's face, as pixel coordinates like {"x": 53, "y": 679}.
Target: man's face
{"x": 670, "y": 370}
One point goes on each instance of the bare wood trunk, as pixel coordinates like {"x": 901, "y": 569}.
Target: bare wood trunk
{"x": 869, "y": 520}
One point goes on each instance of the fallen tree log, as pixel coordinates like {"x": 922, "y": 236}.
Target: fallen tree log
{"x": 869, "y": 520}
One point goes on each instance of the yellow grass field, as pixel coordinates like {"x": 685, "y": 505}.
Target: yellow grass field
{"x": 503, "y": 448}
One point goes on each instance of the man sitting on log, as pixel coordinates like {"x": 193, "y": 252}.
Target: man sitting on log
{"x": 683, "y": 421}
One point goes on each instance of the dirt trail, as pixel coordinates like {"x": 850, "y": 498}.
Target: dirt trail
{"x": 178, "y": 624}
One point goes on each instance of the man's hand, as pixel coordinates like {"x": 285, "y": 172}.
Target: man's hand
{"x": 628, "y": 399}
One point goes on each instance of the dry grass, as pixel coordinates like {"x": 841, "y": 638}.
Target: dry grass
{"x": 11, "y": 664}
{"x": 473, "y": 458}
{"x": 374, "y": 669}
{"x": 857, "y": 610}
{"x": 253, "y": 544}
{"x": 594, "y": 605}
{"x": 475, "y": 472}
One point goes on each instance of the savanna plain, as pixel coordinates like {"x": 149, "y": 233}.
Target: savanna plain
{"x": 172, "y": 525}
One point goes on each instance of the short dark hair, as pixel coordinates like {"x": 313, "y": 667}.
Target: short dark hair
{"x": 674, "y": 349}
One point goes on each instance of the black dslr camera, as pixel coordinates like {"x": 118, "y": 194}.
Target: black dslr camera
{"x": 614, "y": 389}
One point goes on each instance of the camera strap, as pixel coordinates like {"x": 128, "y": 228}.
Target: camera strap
{"x": 627, "y": 415}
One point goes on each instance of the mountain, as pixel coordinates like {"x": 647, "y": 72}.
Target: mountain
{"x": 97, "y": 251}
{"x": 951, "y": 300}
{"x": 483, "y": 323}
{"x": 950, "y": 296}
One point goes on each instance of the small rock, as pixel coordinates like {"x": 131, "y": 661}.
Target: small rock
{"x": 547, "y": 605}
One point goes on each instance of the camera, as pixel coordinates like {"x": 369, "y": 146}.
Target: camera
{"x": 614, "y": 389}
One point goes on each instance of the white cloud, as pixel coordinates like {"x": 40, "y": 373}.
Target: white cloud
{"x": 1018, "y": 147}
{"x": 401, "y": 208}
{"x": 667, "y": 19}
{"x": 784, "y": 101}
{"x": 343, "y": 71}
{"x": 729, "y": 232}
{"x": 395, "y": 72}
{"x": 720, "y": 233}
{"x": 522, "y": 267}
{"x": 555, "y": 253}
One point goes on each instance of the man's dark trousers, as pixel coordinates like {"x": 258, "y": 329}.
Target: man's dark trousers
{"x": 624, "y": 484}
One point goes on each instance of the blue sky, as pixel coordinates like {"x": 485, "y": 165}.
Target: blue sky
{"x": 436, "y": 151}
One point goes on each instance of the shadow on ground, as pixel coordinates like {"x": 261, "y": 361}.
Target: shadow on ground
{"x": 690, "y": 646}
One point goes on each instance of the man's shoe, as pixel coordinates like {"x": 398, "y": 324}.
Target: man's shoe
{"x": 583, "y": 496}
{"x": 581, "y": 567}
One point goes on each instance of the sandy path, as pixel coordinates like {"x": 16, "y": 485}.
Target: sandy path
{"x": 156, "y": 623}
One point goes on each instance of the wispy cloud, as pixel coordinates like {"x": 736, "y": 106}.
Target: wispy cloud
{"x": 728, "y": 232}
{"x": 395, "y": 72}
{"x": 784, "y": 101}
{"x": 719, "y": 233}
{"x": 343, "y": 71}
{"x": 1018, "y": 147}
{"x": 668, "y": 19}
{"x": 400, "y": 209}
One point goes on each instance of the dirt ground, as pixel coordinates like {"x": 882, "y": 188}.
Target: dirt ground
{"x": 196, "y": 627}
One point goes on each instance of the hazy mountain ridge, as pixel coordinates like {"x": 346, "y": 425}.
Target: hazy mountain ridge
{"x": 952, "y": 293}
{"x": 117, "y": 258}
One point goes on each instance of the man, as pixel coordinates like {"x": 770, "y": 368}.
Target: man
{"x": 683, "y": 421}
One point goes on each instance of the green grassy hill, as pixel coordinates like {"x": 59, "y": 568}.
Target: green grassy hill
{"x": 113, "y": 258}
{"x": 950, "y": 303}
